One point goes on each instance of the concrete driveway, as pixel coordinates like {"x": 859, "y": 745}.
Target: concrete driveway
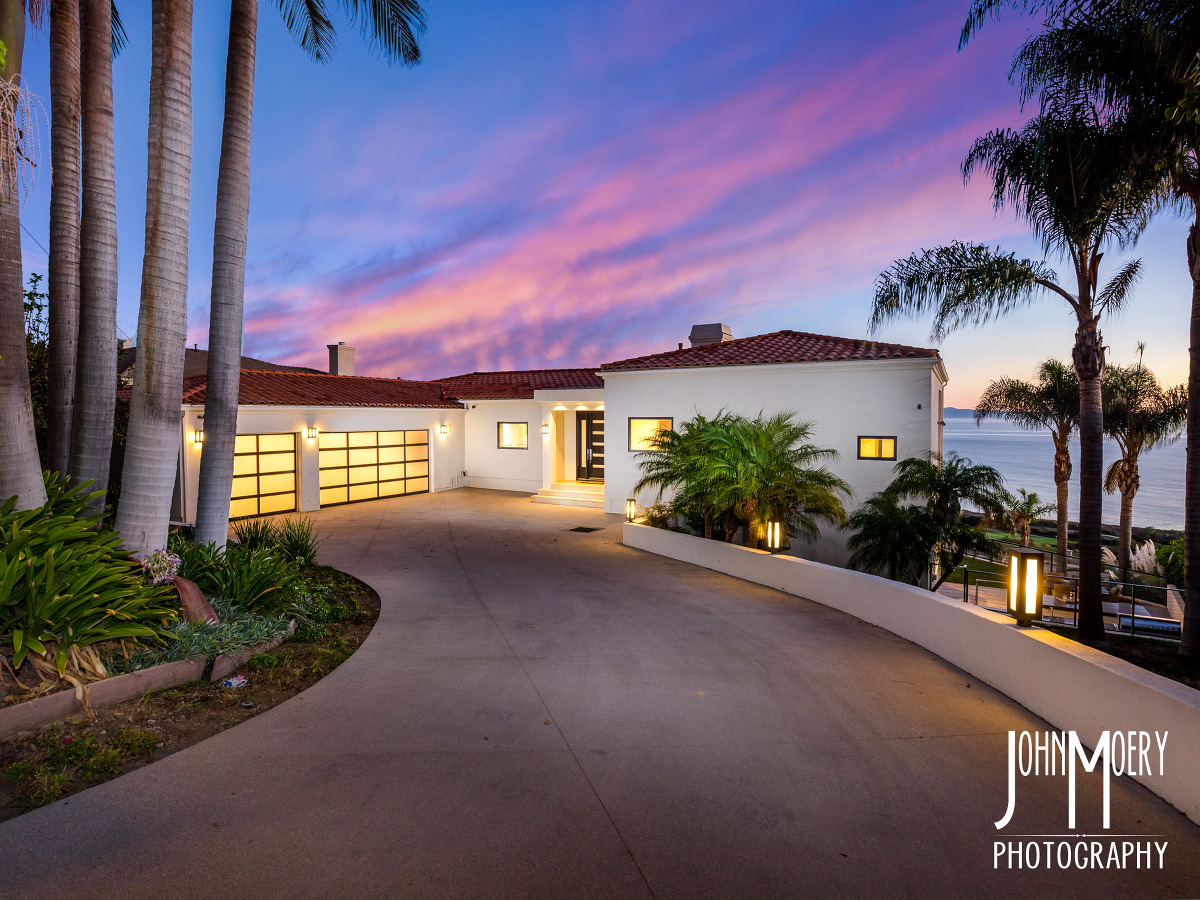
{"x": 541, "y": 712}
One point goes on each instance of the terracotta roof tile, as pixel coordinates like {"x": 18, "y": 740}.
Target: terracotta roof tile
{"x": 195, "y": 362}
{"x": 302, "y": 389}
{"x": 778, "y": 347}
{"x": 519, "y": 385}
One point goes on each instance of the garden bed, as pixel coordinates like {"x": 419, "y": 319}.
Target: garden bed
{"x": 58, "y": 760}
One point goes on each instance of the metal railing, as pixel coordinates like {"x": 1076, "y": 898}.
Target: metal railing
{"x": 1062, "y": 598}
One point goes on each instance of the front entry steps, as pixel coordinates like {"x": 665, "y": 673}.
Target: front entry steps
{"x": 572, "y": 493}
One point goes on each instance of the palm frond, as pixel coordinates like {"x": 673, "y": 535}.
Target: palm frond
{"x": 1119, "y": 287}
{"x": 120, "y": 39}
{"x": 392, "y": 26}
{"x": 960, "y": 284}
{"x": 308, "y": 22}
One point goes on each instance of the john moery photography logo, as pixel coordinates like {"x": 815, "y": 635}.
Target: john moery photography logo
{"x": 1057, "y": 753}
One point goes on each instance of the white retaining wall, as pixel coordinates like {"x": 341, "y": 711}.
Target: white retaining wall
{"x": 1071, "y": 686}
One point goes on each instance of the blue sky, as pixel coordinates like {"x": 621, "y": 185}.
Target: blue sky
{"x": 567, "y": 183}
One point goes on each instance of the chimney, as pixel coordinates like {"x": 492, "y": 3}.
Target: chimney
{"x": 341, "y": 359}
{"x": 125, "y": 344}
{"x": 715, "y": 333}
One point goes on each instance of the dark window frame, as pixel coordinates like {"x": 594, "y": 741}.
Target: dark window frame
{"x": 258, "y": 495}
{"x": 500, "y": 431}
{"x": 629, "y": 431}
{"x": 876, "y": 437}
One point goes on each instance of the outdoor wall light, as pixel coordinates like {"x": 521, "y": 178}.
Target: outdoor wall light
{"x": 546, "y": 428}
{"x": 445, "y": 429}
{"x": 1025, "y": 584}
{"x": 774, "y": 536}
{"x": 312, "y": 432}
{"x": 630, "y": 510}
{"x": 199, "y": 437}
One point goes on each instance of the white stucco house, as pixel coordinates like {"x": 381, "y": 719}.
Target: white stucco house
{"x": 566, "y": 436}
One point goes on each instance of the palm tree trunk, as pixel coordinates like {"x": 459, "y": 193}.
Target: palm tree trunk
{"x": 229, "y": 280}
{"x": 1062, "y": 483}
{"x": 1125, "y": 538}
{"x": 96, "y": 373}
{"x": 708, "y": 521}
{"x": 730, "y": 525}
{"x": 21, "y": 471}
{"x": 152, "y": 448}
{"x": 1089, "y": 364}
{"x": 64, "y": 227}
{"x": 20, "y": 468}
{"x": 1190, "y": 645}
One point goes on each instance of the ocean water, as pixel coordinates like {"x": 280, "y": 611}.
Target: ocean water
{"x": 1026, "y": 460}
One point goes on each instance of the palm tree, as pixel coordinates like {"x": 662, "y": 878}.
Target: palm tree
{"x": 891, "y": 538}
{"x": 20, "y": 468}
{"x": 765, "y": 468}
{"x": 1140, "y": 60}
{"x": 63, "y": 266}
{"x": 393, "y": 27}
{"x": 1023, "y": 510}
{"x": 1065, "y": 176}
{"x": 675, "y": 462}
{"x": 96, "y": 371}
{"x": 1052, "y": 402}
{"x": 151, "y": 451}
{"x": 1139, "y": 415}
{"x": 945, "y": 485}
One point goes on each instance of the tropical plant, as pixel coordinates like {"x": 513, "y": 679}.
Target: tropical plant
{"x": 765, "y": 468}
{"x": 675, "y": 462}
{"x": 393, "y": 27}
{"x": 260, "y": 580}
{"x": 1065, "y": 174}
{"x": 891, "y": 539}
{"x": 1139, "y": 415}
{"x": 20, "y": 470}
{"x": 1022, "y": 510}
{"x": 237, "y": 628}
{"x": 1051, "y": 402}
{"x": 151, "y": 451}
{"x": 66, "y": 584}
{"x": 95, "y": 399}
{"x": 254, "y": 534}
{"x": 945, "y": 485}
{"x": 296, "y": 540}
{"x": 1170, "y": 561}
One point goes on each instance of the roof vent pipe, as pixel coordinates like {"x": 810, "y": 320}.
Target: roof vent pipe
{"x": 341, "y": 359}
{"x": 714, "y": 333}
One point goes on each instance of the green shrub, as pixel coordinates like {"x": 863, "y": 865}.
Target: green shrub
{"x": 255, "y": 534}
{"x": 260, "y": 580}
{"x": 296, "y": 539}
{"x": 310, "y": 632}
{"x": 102, "y": 765}
{"x": 65, "y": 582}
{"x": 197, "y": 562}
{"x": 238, "y": 629}
{"x": 1170, "y": 560}
{"x": 134, "y": 742}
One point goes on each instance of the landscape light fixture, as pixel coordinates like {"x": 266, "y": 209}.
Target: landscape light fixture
{"x": 774, "y": 536}
{"x": 1025, "y": 584}
{"x": 312, "y": 432}
{"x": 445, "y": 429}
{"x": 199, "y": 437}
{"x": 546, "y": 429}
{"x": 630, "y": 510}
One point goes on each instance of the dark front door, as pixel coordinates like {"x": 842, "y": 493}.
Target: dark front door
{"x": 590, "y": 455}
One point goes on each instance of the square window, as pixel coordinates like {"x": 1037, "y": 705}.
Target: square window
{"x": 512, "y": 435}
{"x": 876, "y": 448}
{"x": 641, "y": 430}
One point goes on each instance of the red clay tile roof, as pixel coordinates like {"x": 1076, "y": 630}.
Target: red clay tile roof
{"x": 195, "y": 362}
{"x": 779, "y": 347}
{"x": 519, "y": 385}
{"x": 301, "y": 389}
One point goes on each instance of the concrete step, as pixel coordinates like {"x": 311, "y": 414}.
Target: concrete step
{"x": 572, "y": 494}
{"x": 588, "y": 502}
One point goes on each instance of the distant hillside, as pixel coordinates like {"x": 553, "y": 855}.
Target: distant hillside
{"x": 952, "y": 412}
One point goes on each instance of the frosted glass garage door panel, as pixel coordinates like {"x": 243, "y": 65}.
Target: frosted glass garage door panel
{"x": 364, "y": 491}
{"x": 276, "y": 443}
{"x": 277, "y": 504}
{"x": 332, "y": 496}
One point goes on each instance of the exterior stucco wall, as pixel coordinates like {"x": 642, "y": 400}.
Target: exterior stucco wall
{"x": 843, "y": 400}
{"x": 486, "y": 464}
{"x": 445, "y": 450}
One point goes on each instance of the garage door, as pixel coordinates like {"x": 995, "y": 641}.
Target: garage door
{"x": 264, "y": 475}
{"x": 364, "y": 465}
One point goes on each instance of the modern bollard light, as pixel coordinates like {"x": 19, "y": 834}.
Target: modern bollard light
{"x": 630, "y": 510}
{"x": 774, "y": 536}
{"x": 1025, "y": 581}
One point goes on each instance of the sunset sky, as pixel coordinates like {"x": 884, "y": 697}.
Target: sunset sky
{"x": 568, "y": 183}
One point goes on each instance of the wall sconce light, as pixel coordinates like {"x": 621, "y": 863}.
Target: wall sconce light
{"x": 199, "y": 438}
{"x": 312, "y": 432}
{"x": 1025, "y": 584}
{"x": 774, "y": 536}
{"x": 630, "y": 510}
{"x": 545, "y": 429}
{"x": 445, "y": 429}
